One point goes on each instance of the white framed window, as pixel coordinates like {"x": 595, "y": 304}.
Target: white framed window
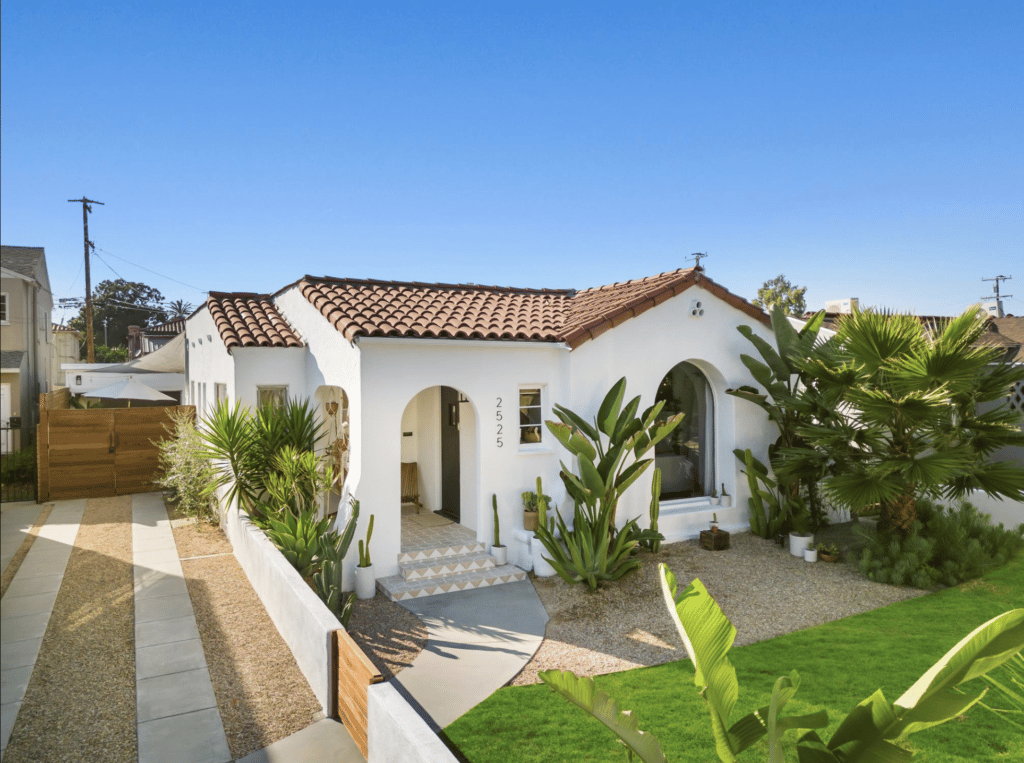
{"x": 274, "y": 396}
{"x": 5, "y": 302}
{"x": 687, "y": 456}
{"x": 531, "y": 415}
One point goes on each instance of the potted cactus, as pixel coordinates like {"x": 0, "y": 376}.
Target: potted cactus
{"x": 498, "y": 551}
{"x": 828, "y": 552}
{"x": 811, "y": 552}
{"x": 366, "y": 583}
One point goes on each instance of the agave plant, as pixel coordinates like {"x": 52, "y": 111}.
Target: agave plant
{"x": 299, "y": 538}
{"x": 868, "y": 734}
{"x": 333, "y": 547}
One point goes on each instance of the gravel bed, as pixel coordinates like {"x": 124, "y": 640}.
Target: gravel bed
{"x": 80, "y": 701}
{"x": 19, "y": 556}
{"x": 389, "y": 634}
{"x": 261, "y": 693}
{"x": 761, "y": 587}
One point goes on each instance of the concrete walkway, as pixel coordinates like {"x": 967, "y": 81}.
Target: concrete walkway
{"x": 177, "y": 715}
{"x": 176, "y": 708}
{"x": 477, "y": 642}
{"x": 28, "y": 603}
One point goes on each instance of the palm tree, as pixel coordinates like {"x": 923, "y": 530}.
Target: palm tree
{"x": 906, "y": 419}
{"x": 179, "y": 308}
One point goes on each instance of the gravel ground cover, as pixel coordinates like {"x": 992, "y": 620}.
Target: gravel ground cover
{"x": 80, "y": 701}
{"x": 12, "y": 566}
{"x": 261, "y": 693}
{"x": 760, "y": 586}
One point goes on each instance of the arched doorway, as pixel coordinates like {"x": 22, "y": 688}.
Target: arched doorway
{"x": 687, "y": 456}
{"x": 439, "y": 436}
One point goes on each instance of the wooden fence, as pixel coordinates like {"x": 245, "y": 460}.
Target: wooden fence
{"x": 355, "y": 674}
{"x": 99, "y": 452}
{"x": 58, "y": 400}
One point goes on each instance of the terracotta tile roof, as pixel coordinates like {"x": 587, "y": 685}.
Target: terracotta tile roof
{"x": 250, "y": 320}
{"x": 172, "y": 327}
{"x": 468, "y": 311}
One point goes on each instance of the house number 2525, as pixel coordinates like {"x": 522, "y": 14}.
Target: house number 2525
{"x": 497, "y": 422}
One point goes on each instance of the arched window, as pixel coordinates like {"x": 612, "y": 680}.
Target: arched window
{"x": 686, "y": 457}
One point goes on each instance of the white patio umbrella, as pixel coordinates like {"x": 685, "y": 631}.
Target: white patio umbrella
{"x": 128, "y": 389}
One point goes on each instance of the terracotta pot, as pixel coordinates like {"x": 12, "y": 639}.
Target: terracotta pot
{"x": 530, "y": 520}
{"x": 828, "y": 557}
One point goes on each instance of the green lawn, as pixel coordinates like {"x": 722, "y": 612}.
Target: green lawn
{"x": 840, "y": 664}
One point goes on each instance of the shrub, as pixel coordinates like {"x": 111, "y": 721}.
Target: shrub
{"x": 185, "y": 468}
{"x": 19, "y": 467}
{"x": 947, "y": 547}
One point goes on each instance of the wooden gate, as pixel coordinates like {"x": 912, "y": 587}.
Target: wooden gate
{"x": 100, "y": 451}
{"x": 354, "y": 675}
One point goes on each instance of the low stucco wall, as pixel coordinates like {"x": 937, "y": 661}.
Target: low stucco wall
{"x": 397, "y": 733}
{"x": 302, "y": 619}
{"x": 1010, "y": 513}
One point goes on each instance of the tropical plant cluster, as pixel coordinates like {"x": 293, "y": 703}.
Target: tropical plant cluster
{"x": 184, "y": 468}
{"x": 887, "y": 412}
{"x": 872, "y": 731}
{"x": 610, "y": 454}
{"x": 946, "y": 547}
{"x": 267, "y": 461}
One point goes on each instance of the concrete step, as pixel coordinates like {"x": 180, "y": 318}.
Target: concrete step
{"x": 397, "y": 588}
{"x": 446, "y": 565}
{"x": 421, "y": 554}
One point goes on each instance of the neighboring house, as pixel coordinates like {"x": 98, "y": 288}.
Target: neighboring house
{"x": 67, "y": 346}
{"x": 144, "y": 341}
{"x": 460, "y": 378}
{"x": 163, "y": 370}
{"x": 26, "y": 304}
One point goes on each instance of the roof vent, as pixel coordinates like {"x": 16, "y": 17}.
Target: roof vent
{"x": 696, "y": 308}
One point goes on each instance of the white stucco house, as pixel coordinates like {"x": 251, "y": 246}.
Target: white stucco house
{"x": 459, "y": 378}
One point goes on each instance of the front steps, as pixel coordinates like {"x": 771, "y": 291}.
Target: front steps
{"x": 432, "y": 571}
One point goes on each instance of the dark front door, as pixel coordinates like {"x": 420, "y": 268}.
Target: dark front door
{"x": 450, "y": 482}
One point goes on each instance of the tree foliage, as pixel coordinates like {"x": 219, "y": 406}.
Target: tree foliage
{"x": 780, "y": 292}
{"x": 121, "y": 304}
{"x": 179, "y": 308}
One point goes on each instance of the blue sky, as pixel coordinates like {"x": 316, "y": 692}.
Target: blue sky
{"x": 865, "y": 149}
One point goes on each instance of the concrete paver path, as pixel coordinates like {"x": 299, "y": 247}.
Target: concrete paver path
{"x": 477, "y": 642}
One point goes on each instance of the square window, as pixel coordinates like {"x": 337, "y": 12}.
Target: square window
{"x": 272, "y": 396}
{"x": 4, "y": 317}
{"x": 530, "y": 415}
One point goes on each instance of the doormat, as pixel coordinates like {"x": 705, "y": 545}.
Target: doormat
{"x": 430, "y": 520}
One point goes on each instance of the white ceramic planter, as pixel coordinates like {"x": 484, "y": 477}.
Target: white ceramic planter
{"x": 798, "y": 543}
{"x": 500, "y": 554}
{"x": 541, "y": 567}
{"x": 366, "y": 583}
{"x": 725, "y": 500}
{"x": 810, "y": 554}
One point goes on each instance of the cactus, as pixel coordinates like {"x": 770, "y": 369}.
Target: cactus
{"x": 654, "y": 544}
{"x": 364, "y": 550}
{"x": 497, "y": 526}
{"x": 542, "y": 506}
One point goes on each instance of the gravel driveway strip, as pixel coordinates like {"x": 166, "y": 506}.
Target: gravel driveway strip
{"x": 80, "y": 701}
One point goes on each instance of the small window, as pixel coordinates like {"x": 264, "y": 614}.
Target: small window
{"x": 530, "y": 415}
{"x": 273, "y": 396}
{"x": 4, "y": 317}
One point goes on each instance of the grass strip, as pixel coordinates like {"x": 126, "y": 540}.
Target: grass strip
{"x": 80, "y": 701}
{"x": 840, "y": 663}
{"x": 19, "y": 556}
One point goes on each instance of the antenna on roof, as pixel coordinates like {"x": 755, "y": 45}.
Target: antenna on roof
{"x": 696, "y": 257}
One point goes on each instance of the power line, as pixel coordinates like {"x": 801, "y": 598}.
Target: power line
{"x": 143, "y": 267}
{"x": 107, "y": 264}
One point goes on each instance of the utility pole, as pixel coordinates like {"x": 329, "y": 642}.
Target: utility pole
{"x": 999, "y": 304}
{"x": 86, "y": 209}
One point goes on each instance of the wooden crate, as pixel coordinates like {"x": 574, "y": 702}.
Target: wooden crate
{"x": 718, "y": 541}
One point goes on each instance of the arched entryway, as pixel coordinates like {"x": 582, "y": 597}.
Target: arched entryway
{"x": 687, "y": 456}
{"x": 439, "y": 436}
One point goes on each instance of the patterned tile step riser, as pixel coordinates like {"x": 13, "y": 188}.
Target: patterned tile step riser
{"x": 397, "y": 588}
{"x": 449, "y": 565}
{"x": 438, "y": 553}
